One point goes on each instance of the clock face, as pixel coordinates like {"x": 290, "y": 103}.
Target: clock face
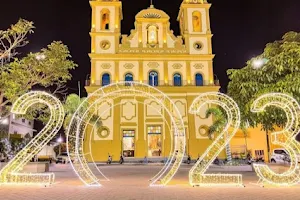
{"x": 198, "y": 45}
{"x": 105, "y": 44}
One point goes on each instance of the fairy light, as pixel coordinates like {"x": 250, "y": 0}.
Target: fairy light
{"x": 197, "y": 176}
{"x": 11, "y": 174}
{"x": 285, "y": 138}
{"x": 82, "y": 116}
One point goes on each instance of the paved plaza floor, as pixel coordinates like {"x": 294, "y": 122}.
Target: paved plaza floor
{"x": 130, "y": 182}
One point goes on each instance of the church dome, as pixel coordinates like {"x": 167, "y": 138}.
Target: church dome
{"x": 152, "y": 13}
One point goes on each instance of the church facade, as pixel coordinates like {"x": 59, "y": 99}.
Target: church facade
{"x": 180, "y": 66}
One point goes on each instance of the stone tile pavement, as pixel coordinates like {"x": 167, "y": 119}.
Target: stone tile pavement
{"x": 131, "y": 183}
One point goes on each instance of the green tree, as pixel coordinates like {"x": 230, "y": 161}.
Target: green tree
{"x": 13, "y": 38}
{"x": 279, "y": 72}
{"x": 62, "y": 146}
{"x": 72, "y": 103}
{"x": 219, "y": 122}
{"x": 49, "y": 68}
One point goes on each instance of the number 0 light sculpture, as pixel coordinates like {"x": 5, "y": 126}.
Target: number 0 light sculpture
{"x": 285, "y": 138}
{"x": 82, "y": 118}
{"x": 197, "y": 176}
{"x": 11, "y": 173}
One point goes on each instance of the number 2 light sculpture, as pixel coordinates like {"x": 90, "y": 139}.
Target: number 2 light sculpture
{"x": 12, "y": 172}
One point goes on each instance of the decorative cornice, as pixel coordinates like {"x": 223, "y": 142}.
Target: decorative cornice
{"x": 198, "y": 66}
{"x": 151, "y": 57}
{"x": 177, "y": 66}
{"x": 153, "y": 65}
{"x": 128, "y": 66}
{"x": 106, "y": 66}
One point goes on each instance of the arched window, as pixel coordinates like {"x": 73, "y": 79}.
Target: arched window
{"x": 105, "y": 19}
{"x": 153, "y": 78}
{"x": 197, "y": 21}
{"x": 177, "y": 80}
{"x": 128, "y": 79}
{"x": 199, "y": 80}
{"x": 105, "y": 79}
{"x": 152, "y": 35}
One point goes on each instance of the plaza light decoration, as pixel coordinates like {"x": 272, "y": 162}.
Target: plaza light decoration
{"x": 285, "y": 138}
{"x": 82, "y": 117}
{"x": 197, "y": 176}
{"x": 12, "y": 172}
{"x": 95, "y": 128}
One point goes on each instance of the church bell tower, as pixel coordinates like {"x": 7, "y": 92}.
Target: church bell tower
{"x": 195, "y": 26}
{"x": 106, "y": 26}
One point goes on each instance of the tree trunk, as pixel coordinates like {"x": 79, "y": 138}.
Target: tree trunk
{"x": 228, "y": 152}
{"x": 246, "y": 145}
{"x": 1, "y": 101}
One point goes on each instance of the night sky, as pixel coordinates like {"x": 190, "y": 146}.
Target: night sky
{"x": 241, "y": 28}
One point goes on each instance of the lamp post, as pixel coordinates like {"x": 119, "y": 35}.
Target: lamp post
{"x": 257, "y": 64}
{"x": 216, "y": 80}
{"x": 40, "y": 56}
{"x": 59, "y": 140}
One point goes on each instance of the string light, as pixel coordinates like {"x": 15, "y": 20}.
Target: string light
{"x": 285, "y": 138}
{"x": 11, "y": 174}
{"x": 82, "y": 116}
{"x": 197, "y": 176}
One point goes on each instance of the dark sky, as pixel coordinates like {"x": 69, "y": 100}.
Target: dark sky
{"x": 241, "y": 28}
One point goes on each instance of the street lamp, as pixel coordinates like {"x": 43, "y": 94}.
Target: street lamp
{"x": 40, "y": 56}
{"x": 258, "y": 63}
{"x": 59, "y": 140}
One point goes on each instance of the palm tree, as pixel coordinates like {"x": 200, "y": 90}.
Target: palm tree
{"x": 218, "y": 125}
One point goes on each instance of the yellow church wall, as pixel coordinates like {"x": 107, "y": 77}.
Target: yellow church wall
{"x": 256, "y": 140}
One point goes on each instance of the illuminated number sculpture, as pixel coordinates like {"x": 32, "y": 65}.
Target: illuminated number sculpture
{"x": 82, "y": 119}
{"x": 197, "y": 176}
{"x": 12, "y": 172}
{"x": 284, "y": 138}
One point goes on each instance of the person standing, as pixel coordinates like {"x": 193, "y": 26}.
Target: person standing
{"x": 109, "y": 160}
{"x": 121, "y": 159}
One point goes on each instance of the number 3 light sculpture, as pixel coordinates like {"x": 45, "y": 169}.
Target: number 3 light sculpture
{"x": 284, "y": 138}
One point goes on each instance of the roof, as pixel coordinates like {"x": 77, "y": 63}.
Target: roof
{"x": 152, "y": 13}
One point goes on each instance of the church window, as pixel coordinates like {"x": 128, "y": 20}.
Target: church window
{"x": 199, "y": 79}
{"x": 152, "y": 35}
{"x": 105, "y": 79}
{"x": 153, "y": 78}
{"x": 197, "y": 21}
{"x": 128, "y": 79}
{"x": 177, "y": 79}
{"x": 105, "y": 19}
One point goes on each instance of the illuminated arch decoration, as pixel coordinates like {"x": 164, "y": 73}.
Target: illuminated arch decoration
{"x": 197, "y": 176}
{"x": 95, "y": 128}
{"x": 81, "y": 119}
{"x": 285, "y": 138}
{"x": 11, "y": 174}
